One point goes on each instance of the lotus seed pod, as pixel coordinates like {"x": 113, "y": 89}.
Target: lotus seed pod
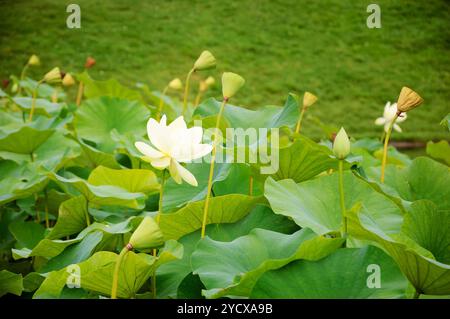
{"x": 90, "y": 62}
{"x": 176, "y": 84}
{"x": 34, "y": 60}
{"x": 309, "y": 99}
{"x": 53, "y": 76}
{"x": 341, "y": 145}
{"x": 231, "y": 83}
{"x": 210, "y": 81}
{"x": 68, "y": 80}
{"x": 147, "y": 235}
{"x": 205, "y": 61}
{"x": 408, "y": 100}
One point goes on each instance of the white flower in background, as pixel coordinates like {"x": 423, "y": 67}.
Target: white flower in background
{"x": 173, "y": 144}
{"x": 388, "y": 115}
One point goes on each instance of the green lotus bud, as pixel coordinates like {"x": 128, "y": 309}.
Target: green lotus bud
{"x": 231, "y": 83}
{"x": 68, "y": 80}
{"x": 147, "y": 235}
{"x": 176, "y": 84}
{"x": 210, "y": 81}
{"x": 341, "y": 145}
{"x": 205, "y": 61}
{"x": 53, "y": 76}
{"x": 34, "y": 60}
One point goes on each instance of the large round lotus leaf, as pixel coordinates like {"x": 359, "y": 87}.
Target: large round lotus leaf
{"x": 347, "y": 273}
{"x": 96, "y": 118}
{"x": 23, "y": 140}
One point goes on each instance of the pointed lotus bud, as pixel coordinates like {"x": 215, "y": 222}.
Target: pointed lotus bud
{"x": 68, "y": 80}
{"x": 90, "y": 62}
{"x": 309, "y": 99}
{"x": 205, "y": 61}
{"x": 210, "y": 81}
{"x": 176, "y": 84}
{"x": 408, "y": 100}
{"x": 53, "y": 76}
{"x": 341, "y": 145}
{"x": 147, "y": 235}
{"x": 34, "y": 60}
{"x": 231, "y": 83}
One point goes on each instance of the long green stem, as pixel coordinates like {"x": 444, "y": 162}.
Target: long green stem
{"x": 47, "y": 221}
{"x": 211, "y": 167}
{"x": 250, "y": 186}
{"x": 22, "y": 76}
{"x": 158, "y": 218}
{"x": 161, "y": 102}
{"x": 385, "y": 149}
{"x": 341, "y": 194}
{"x": 33, "y": 101}
{"x": 299, "y": 122}
{"x": 116, "y": 272}
{"x": 79, "y": 93}
{"x": 186, "y": 91}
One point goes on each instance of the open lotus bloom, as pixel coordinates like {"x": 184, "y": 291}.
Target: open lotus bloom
{"x": 173, "y": 144}
{"x": 388, "y": 115}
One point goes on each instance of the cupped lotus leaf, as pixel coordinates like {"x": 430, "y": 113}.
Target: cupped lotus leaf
{"x": 111, "y": 88}
{"x": 439, "y": 150}
{"x": 302, "y": 160}
{"x": 316, "y": 203}
{"x": 176, "y": 195}
{"x": 170, "y": 276}
{"x": 71, "y": 218}
{"x": 41, "y": 107}
{"x": 231, "y": 269}
{"x": 222, "y": 209}
{"x": 97, "y": 272}
{"x": 265, "y": 117}
{"x": 102, "y": 195}
{"x": 19, "y": 181}
{"x": 133, "y": 180}
{"x": 423, "y": 179}
{"x": 23, "y": 140}
{"x": 424, "y": 224}
{"x": 95, "y": 119}
{"x": 92, "y": 157}
{"x": 348, "y": 273}
{"x": 10, "y": 283}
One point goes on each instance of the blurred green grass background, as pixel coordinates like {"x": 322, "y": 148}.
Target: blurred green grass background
{"x": 279, "y": 46}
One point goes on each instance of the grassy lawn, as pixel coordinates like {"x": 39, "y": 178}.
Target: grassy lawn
{"x": 279, "y": 46}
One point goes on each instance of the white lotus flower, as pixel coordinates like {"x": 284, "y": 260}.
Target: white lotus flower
{"x": 173, "y": 144}
{"x": 388, "y": 115}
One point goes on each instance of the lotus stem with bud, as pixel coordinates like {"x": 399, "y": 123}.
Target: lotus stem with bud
{"x": 308, "y": 100}
{"x": 146, "y": 236}
{"x": 407, "y": 100}
{"x": 205, "y": 61}
{"x": 32, "y": 61}
{"x": 175, "y": 84}
{"x": 231, "y": 84}
{"x": 90, "y": 62}
{"x": 341, "y": 149}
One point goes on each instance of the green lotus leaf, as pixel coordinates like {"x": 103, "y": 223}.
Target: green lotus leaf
{"x": 264, "y": 117}
{"x": 95, "y": 119}
{"x": 42, "y": 106}
{"x": 102, "y": 195}
{"x": 92, "y": 157}
{"x": 97, "y": 272}
{"x": 176, "y": 195}
{"x": 231, "y": 269}
{"x": 23, "y": 140}
{"x": 439, "y": 150}
{"x": 112, "y": 88}
{"x": 238, "y": 182}
{"x": 27, "y": 233}
{"x": 222, "y": 209}
{"x": 71, "y": 218}
{"x": 348, "y": 273}
{"x": 10, "y": 283}
{"x": 170, "y": 276}
{"x": 133, "y": 180}
{"x": 44, "y": 90}
{"x": 423, "y": 238}
{"x": 316, "y": 203}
